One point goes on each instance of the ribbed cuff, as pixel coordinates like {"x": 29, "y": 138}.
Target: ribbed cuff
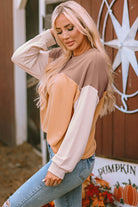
{"x": 56, "y": 170}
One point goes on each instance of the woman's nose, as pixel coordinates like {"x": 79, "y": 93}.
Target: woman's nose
{"x": 65, "y": 35}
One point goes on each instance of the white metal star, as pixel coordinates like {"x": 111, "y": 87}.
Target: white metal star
{"x": 126, "y": 43}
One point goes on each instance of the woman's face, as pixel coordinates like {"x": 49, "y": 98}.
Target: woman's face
{"x": 68, "y": 34}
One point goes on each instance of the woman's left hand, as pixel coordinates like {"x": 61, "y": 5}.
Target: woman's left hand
{"x": 51, "y": 179}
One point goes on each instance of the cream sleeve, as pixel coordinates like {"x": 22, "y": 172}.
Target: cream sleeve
{"x": 75, "y": 141}
{"x": 32, "y": 56}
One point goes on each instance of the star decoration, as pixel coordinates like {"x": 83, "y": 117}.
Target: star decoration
{"x": 125, "y": 43}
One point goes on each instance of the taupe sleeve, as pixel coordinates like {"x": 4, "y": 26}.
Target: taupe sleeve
{"x": 32, "y": 56}
{"x": 97, "y": 75}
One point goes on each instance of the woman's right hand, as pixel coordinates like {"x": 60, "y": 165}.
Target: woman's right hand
{"x": 51, "y": 179}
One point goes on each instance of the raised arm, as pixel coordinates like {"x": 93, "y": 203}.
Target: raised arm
{"x": 33, "y": 56}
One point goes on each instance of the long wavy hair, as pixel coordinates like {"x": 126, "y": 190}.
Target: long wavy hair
{"x": 80, "y": 18}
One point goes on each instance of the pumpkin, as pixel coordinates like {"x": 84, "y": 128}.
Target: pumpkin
{"x": 118, "y": 192}
{"x": 130, "y": 195}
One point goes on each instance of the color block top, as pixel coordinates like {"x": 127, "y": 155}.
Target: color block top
{"x": 75, "y": 98}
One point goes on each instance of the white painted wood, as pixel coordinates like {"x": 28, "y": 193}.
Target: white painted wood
{"x": 42, "y": 14}
{"x": 19, "y": 76}
{"x": 53, "y": 1}
{"x": 21, "y": 4}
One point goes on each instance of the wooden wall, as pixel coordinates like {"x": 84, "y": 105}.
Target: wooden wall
{"x": 7, "y": 119}
{"x": 117, "y": 134}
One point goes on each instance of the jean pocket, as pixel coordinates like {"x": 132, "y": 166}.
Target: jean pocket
{"x": 91, "y": 161}
{"x": 51, "y": 153}
{"x": 87, "y": 167}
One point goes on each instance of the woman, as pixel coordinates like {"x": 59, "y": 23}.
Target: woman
{"x": 75, "y": 88}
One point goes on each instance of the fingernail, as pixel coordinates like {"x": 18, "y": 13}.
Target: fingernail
{"x": 43, "y": 180}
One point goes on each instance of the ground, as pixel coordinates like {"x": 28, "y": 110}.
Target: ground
{"x": 17, "y": 164}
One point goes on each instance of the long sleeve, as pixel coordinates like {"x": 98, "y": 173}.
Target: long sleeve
{"x": 77, "y": 134}
{"x": 32, "y": 56}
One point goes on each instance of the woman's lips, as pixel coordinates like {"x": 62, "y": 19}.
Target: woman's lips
{"x": 69, "y": 43}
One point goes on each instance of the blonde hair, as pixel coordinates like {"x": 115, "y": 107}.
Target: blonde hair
{"x": 85, "y": 24}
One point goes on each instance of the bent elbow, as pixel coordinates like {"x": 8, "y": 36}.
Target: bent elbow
{"x": 14, "y": 58}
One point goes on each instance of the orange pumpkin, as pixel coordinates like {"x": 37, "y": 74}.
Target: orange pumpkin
{"x": 130, "y": 195}
{"x": 118, "y": 193}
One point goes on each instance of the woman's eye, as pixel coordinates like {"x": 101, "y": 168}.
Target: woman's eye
{"x": 58, "y": 33}
{"x": 70, "y": 29}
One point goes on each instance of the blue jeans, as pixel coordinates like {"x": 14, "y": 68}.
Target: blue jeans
{"x": 34, "y": 192}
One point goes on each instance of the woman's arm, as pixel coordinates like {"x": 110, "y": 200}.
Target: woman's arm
{"x": 76, "y": 138}
{"x": 33, "y": 55}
